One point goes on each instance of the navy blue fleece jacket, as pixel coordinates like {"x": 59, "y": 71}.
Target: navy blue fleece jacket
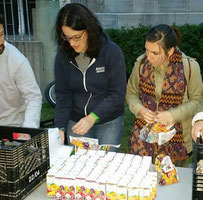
{"x": 100, "y": 89}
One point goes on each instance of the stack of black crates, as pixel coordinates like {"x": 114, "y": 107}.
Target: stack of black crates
{"x": 197, "y": 178}
{"x": 23, "y": 168}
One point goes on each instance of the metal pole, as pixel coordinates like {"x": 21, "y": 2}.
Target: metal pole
{"x": 28, "y": 21}
{"x": 64, "y": 2}
{"x": 5, "y": 19}
{"x": 21, "y": 19}
{"x": 13, "y": 22}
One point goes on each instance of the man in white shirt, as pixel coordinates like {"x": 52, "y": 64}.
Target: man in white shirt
{"x": 197, "y": 123}
{"x": 20, "y": 96}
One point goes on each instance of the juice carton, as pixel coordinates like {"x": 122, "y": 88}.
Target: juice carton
{"x": 57, "y": 185}
{"x": 111, "y": 191}
{"x": 51, "y": 185}
{"x": 101, "y": 187}
{"x": 114, "y": 164}
{"x": 136, "y": 161}
{"x": 90, "y": 185}
{"x": 109, "y": 171}
{"x": 110, "y": 156}
{"x": 152, "y": 180}
{"x": 69, "y": 184}
{"x": 102, "y": 162}
{"x": 145, "y": 192}
{"x": 111, "y": 188}
{"x": 84, "y": 173}
{"x": 82, "y": 159}
{"x": 122, "y": 192}
{"x": 80, "y": 188}
{"x": 133, "y": 190}
{"x": 67, "y": 167}
{"x": 61, "y": 192}
{"x": 147, "y": 160}
{"x": 131, "y": 170}
{"x": 124, "y": 166}
{"x": 80, "y": 183}
{"x": 101, "y": 153}
{"x": 77, "y": 168}
{"x": 91, "y": 152}
{"x": 119, "y": 157}
{"x": 57, "y": 163}
{"x": 93, "y": 159}
{"x": 122, "y": 187}
{"x": 128, "y": 158}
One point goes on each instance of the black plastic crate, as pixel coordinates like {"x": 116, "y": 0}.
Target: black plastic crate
{"x": 197, "y": 178}
{"x": 24, "y": 167}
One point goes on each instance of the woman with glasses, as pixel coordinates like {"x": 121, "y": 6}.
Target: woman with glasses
{"x": 165, "y": 87}
{"x": 90, "y": 78}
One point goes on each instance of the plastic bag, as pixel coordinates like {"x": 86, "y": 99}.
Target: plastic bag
{"x": 168, "y": 171}
{"x": 157, "y": 132}
{"x": 84, "y": 142}
{"x": 89, "y": 143}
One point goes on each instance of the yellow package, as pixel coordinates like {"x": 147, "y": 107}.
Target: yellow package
{"x": 168, "y": 171}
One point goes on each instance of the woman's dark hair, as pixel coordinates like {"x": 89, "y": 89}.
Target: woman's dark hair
{"x": 1, "y": 19}
{"x": 78, "y": 17}
{"x": 166, "y": 36}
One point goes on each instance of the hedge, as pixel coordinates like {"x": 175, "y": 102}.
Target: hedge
{"x": 132, "y": 41}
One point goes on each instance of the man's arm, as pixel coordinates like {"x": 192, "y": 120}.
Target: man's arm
{"x": 197, "y": 123}
{"x": 31, "y": 93}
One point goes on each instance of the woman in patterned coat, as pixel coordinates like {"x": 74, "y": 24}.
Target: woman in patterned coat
{"x": 165, "y": 86}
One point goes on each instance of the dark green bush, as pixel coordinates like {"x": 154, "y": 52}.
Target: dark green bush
{"x": 132, "y": 41}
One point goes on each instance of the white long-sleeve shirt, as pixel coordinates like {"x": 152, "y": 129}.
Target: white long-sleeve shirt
{"x": 198, "y": 116}
{"x": 20, "y": 96}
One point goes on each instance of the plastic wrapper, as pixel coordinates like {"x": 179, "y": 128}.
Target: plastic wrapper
{"x": 106, "y": 147}
{"x": 157, "y": 132}
{"x": 168, "y": 171}
{"x": 21, "y": 136}
{"x": 199, "y": 169}
{"x": 89, "y": 143}
{"x": 84, "y": 142}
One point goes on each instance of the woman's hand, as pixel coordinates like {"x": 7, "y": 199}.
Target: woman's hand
{"x": 198, "y": 127}
{"x": 165, "y": 117}
{"x": 147, "y": 115}
{"x": 84, "y": 125}
{"x": 62, "y": 134}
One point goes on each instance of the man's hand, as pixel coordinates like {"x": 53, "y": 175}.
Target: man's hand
{"x": 165, "y": 117}
{"x": 84, "y": 125}
{"x": 198, "y": 127}
{"x": 147, "y": 115}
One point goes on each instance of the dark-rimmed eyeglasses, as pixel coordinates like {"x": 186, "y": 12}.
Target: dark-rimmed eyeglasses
{"x": 74, "y": 38}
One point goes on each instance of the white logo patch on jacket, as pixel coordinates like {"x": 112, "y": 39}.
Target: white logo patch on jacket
{"x": 100, "y": 69}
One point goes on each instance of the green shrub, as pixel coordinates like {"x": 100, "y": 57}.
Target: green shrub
{"x": 132, "y": 41}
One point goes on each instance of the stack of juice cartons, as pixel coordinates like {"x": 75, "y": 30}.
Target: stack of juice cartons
{"x": 61, "y": 178}
{"x": 65, "y": 179}
{"x": 95, "y": 175}
{"x": 143, "y": 183}
{"x": 122, "y": 185}
{"x": 87, "y": 176}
